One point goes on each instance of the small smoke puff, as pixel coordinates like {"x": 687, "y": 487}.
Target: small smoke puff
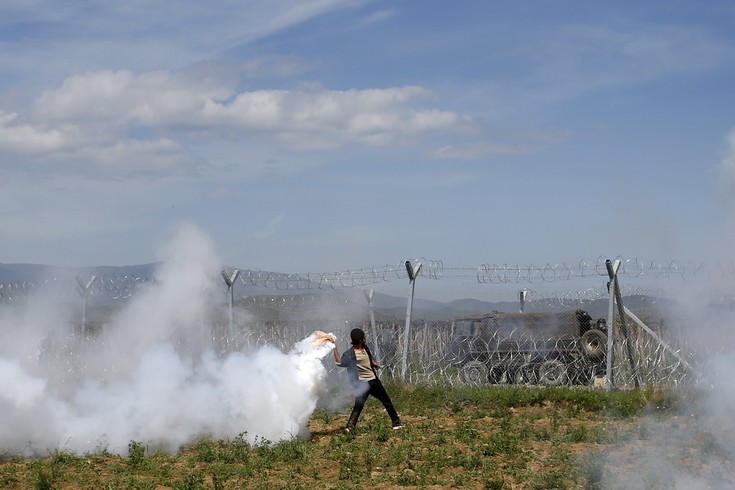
{"x": 18, "y": 390}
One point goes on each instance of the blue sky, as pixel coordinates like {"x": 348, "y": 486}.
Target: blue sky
{"x": 329, "y": 135}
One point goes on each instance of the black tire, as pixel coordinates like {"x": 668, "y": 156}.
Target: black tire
{"x": 525, "y": 375}
{"x": 474, "y": 373}
{"x": 495, "y": 376}
{"x": 594, "y": 343}
{"x": 553, "y": 373}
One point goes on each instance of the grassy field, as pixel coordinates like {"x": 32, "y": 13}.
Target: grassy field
{"x": 494, "y": 437}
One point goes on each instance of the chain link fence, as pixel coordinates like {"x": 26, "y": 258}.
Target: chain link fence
{"x": 565, "y": 324}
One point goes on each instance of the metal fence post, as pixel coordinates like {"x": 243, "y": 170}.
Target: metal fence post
{"x": 612, "y": 269}
{"x": 230, "y": 281}
{"x": 613, "y": 273}
{"x": 85, "y": 287}
{"x": 522, "y": 295}
{"x": 412, "y": 274}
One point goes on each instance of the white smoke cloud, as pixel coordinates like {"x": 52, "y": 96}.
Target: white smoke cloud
{"x": 156, "y": 379}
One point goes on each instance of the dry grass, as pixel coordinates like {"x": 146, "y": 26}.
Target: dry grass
{"x": 491, "y": 437}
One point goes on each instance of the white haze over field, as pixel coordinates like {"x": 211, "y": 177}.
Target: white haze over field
{"x": 157, "y": 379}
{"x": 693, "y": 447}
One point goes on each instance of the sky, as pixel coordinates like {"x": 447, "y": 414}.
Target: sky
{"x": 330, "y": 135}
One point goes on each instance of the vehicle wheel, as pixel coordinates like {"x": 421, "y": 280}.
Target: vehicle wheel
{"x": 594, "y": 343}
{"x": 525, "y": 375}
{"x": 552, "y": 373}
{"x": 495, "y": 376}
{"x": 474, "y": 373}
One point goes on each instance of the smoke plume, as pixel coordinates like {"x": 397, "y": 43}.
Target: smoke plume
{"x": 156, "y": 378}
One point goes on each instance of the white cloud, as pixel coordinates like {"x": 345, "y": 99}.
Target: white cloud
{"x": 117, "y": 98}
{"x": 587, "y": 58}
{"x": 225, "y": 194}
{"x": 272, "y": 227}
{"x": 89, "y": 124}
{"x": 727, "y": 166}
{"x": 377, "y": 16}
{"x": 475, "y": 151}
{"x": 276, "y": 66}
{"x": 23, "y": 138}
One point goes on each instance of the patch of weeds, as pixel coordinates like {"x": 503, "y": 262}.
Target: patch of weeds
{"x": 418, "y": 398}
{"x": 663, "y": 400}
{"x": 580, "y": 433}
{"x": 194, "y": 481}
{"x": 208, "y": 451}
{"x": 262, "y": 450}
{"x": 323, "y": 415}
{"x": 160, "y": 464}
{"x": 137, "y": 484}
{"x": 9, "y": 477}
{"x": 465, "y": 431}
{"x": 495, "y": 483}
{"x": 501, "y": 444}
{"x": 136, "y": 454}
{"x": 349, "y": 470}
{"x": 592, "y": 470}
{"x": 501, "y": 412}
{"x": 459, "y": 404}
{"x": 625, "y": 404}
{"x": 438, "y": 458}
{"x": 460, "y": 480}
{"x": 470, "y": 461}
{"x": 525, "y": 432}
{"x": 238, "y": 450}
{"x": 555, "y": 421}
{"x": 370, "y": 457}
{"x": 382, "y": 434}
{"x": 479, "y": 414}
{"x": 217, "y": 483}
{"x": 542, "y": 434}
{"x": 557, "y": 471}
{"x": 408, "y": 478}
{"x": 64, "y": 458}
{"x": 43, "y": 476}
{"x": 440, "y": 439}
{"x": 295, "y": 450}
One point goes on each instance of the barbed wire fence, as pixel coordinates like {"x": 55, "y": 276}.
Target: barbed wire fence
{"x": 555, "y": 324}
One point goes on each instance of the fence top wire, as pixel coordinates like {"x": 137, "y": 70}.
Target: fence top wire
{"x": 122, "y": 286}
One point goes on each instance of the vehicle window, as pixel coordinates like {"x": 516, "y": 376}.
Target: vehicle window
{"x": 464, "y": 328}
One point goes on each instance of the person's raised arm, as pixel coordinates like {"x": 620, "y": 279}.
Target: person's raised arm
{"x": 337, "y": 357}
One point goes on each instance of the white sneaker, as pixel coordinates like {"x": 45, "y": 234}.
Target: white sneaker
{"x": 398, "y": 427}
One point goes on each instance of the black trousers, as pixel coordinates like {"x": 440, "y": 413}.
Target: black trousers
{"x": 375, "y": 388}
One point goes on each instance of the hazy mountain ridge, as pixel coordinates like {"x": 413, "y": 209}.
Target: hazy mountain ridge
{"x": 393, "y": 306}
{"x": 35, "y": 272}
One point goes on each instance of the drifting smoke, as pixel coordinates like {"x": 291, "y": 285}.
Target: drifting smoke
{"x": 156, "y": 379}
{"x": 695, "y": 448}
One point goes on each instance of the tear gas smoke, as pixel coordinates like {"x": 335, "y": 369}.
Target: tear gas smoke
{"x": 156, "y": 380}
{"x": 694, "y": 446}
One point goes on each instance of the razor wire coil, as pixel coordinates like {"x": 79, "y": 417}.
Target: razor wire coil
{"x": 120, "y": 287}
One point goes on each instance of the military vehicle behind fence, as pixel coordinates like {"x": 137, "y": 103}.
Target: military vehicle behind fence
{"x": 530, "y": 348}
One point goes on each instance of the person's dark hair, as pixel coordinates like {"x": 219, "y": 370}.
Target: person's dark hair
{"x": 356, "y": 335}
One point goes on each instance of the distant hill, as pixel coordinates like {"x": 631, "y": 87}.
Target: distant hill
{"x": 35, "y": 272}
{"x": 388, "y": 306}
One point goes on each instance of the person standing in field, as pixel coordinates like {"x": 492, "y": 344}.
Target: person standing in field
{"x": 361, "y": 368}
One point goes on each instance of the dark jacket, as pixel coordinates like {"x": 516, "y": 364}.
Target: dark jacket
{"x": 349, "y": 361}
